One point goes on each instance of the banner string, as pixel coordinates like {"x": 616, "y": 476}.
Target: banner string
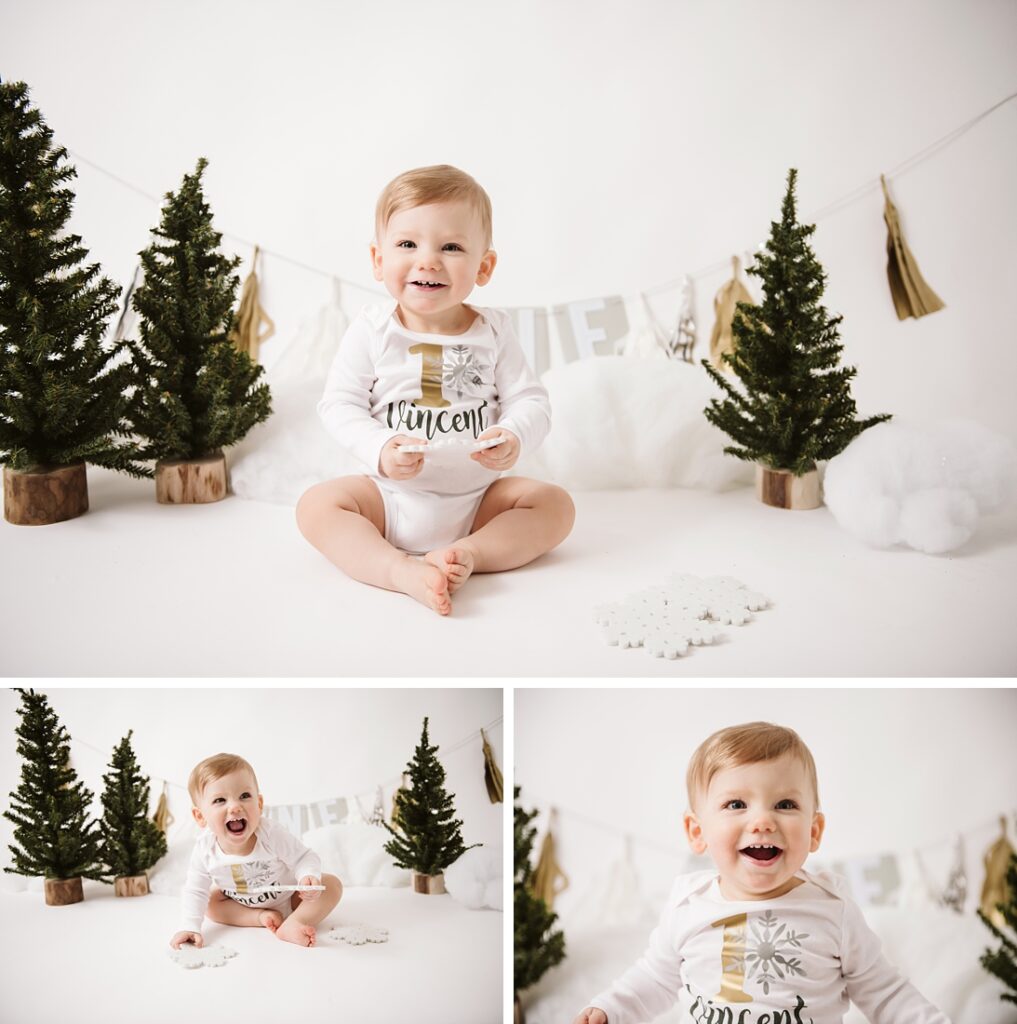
{"x": 838, "y": 204}
{"x": 443, "y": 753}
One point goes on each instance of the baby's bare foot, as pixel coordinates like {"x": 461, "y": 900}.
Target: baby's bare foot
{"x": 294, "y": 931}
{"x": 270, "y": 919}
{"x": 455, "y": 562}
{"x": 424, "y": 582}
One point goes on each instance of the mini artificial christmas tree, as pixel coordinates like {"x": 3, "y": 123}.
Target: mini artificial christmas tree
{"x": 62, "y": 391}
{"x": 538, "y": 947}
{"x": 196, "y": 393}
{"x": 794, "y": 407}
{"x": 131, "y": 841}
{"x": 53, "y": 836}
{"x": 1003, "y": 961}
{"x": 427, "y": 837}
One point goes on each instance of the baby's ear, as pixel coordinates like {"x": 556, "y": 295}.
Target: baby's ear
{"x": 818, "y": 826}
{"x": 198, "y": 817}
{"x": 694, "y": 832}
{"x": 486, "y": 268}
{"x": 376, "y": 261}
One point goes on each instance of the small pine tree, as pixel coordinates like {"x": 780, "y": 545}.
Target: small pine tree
{"x": 131, "y": 841}
{"x": 62, "y": 391}
{"x": 795, "y": 407}
{"x": 537, "y": 947}
{"x": 1003, "y": 961}
{"x": 52, "y": 833}
{"x": 196, "y": 393}
{"x": 427, "y": 838}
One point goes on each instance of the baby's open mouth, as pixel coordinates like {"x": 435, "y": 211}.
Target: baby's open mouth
{"x": 761, "y": 852}
{"x": 428, "y": 284}
{"x": 236, "y": 826}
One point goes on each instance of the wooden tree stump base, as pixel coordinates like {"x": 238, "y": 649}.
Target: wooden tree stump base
{"x": 430, "y": 885}
{"x": 191, "y": 481}
{"x": 518, "y": 1017}
{"x": 61, "y": 892}
{"x": 782, "y": 489}
{"x": 131, "y": 885}
{"x": 45, "y": 494}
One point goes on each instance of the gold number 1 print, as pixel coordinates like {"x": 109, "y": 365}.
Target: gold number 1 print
{"x": 431, "y": 366}
{"x": 732, "y": 959}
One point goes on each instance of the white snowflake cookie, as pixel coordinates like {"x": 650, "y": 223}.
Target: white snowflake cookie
{"x": 358, "y": 934}
{"x": 687, "y": 610}
{"x": 191, "y": 957}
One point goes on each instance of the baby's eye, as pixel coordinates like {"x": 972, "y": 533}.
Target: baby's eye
{"x": 219, "y": 800}
{"x": 453, "y": 247}
{"x": 735, "y": 805}
{"x": 787, "y": 805}
{"x": 245, "y": 796}
{"x": 405, "y": 244}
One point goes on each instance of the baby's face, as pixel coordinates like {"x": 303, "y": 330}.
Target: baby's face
{"x": 231, "y": 808}
{"x": 758, "y": 822}
{"x": 430, "y": 258}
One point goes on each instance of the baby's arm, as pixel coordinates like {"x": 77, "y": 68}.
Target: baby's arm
{"x": 524, "y": 406}
{"x": 345, "y": 406}
{"x": 194, "y": 901}
{"x": 645, "y": 990}
{"x": 873, "y": 984}
{"x": 304, "y": 862}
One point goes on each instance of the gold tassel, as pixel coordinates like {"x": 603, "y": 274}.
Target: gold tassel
{"x": 396, "y": 799}
{"x": 725, "y": 305}
{"x": 994, "y": 888}
{"x": 911, "y": 295}
{"x": 548, "y": 879}
{"x": 492, "y": 774}
{"x": 162, "y": 817}
{"x": 246, "y": 334}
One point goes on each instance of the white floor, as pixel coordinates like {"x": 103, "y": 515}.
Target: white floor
{"x": 105, "y": 961}
{"x": 134, "y": 588}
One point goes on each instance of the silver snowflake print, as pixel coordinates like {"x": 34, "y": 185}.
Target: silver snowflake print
{"x": 768, "y": 950}
{"x": 462, "y": 372}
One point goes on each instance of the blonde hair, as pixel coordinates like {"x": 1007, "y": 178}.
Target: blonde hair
{"x": 440, "y": 183}
{"x": 745, "y": 744}
{"x": 212, "y": 768}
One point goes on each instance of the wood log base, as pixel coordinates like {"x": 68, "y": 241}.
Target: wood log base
{"x": 61, "y": 892}
{"x": 45, "y": 494}
{"x": 430, "y": 885}
{"x": 782, "y": 489}
{"x": 518, "y": 1017}
{"x": 191, "y": 481}
{"x": 131, "y": 885}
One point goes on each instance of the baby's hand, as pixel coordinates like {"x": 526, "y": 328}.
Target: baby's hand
{"x": 311, "y": 894}
{"x": 591, "y": 1015}
{"x": 398, "y": 465}
{"x": 182, "y": 938}
{"x": 502, "y": 456}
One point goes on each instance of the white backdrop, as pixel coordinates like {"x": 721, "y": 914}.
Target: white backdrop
{"x": 623, "y": 145}
{"x": 898, "y": 769}
{"x": 304, "y": 744}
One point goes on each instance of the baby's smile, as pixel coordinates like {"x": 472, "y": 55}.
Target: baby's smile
{"x": 428, "y": 285}
{"x": 236, "y": 826}
{"x": 760, "y": 853}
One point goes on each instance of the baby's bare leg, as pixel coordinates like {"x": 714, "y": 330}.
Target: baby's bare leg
{"x": 223, "y": 910}
{"x": 299, "y": 927}
{"x": 518, "y": 520}
{"x": 345, "y": 520}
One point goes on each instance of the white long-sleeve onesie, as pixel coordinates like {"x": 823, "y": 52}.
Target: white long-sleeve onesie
{"x": 388, "y": 380}
{"x": 796, "y": 959}
{"x": 278, "y": 858}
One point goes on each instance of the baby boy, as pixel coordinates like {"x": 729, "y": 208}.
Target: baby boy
{"x": 758, "y": 939}
{"x": 247, "y": 858}
{"x": 431, "y": 370}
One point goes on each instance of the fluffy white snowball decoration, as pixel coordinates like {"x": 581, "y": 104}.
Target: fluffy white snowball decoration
{"x": 923, "y": 485}
{"x": 475, "y": 878}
